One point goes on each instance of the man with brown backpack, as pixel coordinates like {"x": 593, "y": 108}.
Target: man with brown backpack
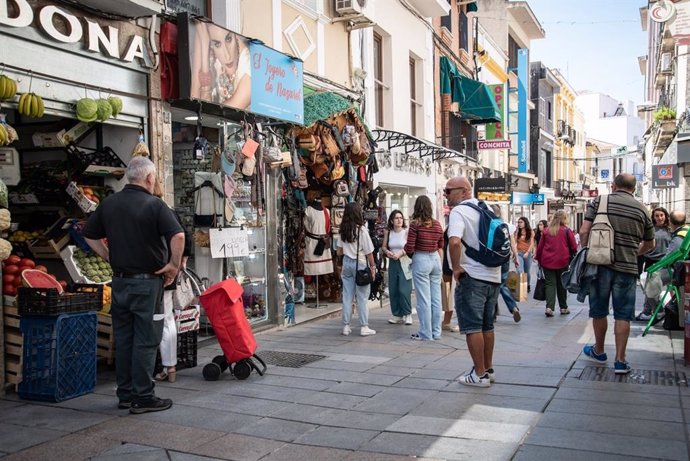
{"x": 633, "y": 235}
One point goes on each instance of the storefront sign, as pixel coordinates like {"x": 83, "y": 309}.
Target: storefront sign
{"x": 222, "y": 67}
{"x": 523, "y": 121}
{"x": 489, "y": 185}
{"x": 662, "y": 11}
{"x": 495, "y": 130}
{"x": 65, "y": 27}
{"x": 197, "y": 7}
{"x": 591, "y": 193}
{"x": 664, "y": 176}
{"x": 229, "y": 242}
{"x": 555, "y": 205}
{"x": 484, "y": 145}
{"x": 525, "y": 198}
{"x": 276, "y": 84}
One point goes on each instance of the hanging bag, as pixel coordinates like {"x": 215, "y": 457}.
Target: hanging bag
{"x": 362, "y": 277}
{"x": 184, "y": 293}
{"x": 540, "y": 287}
{"x": 205, "y": 220}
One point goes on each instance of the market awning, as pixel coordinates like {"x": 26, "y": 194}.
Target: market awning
{"x": 411, "y": 144}
{"x": 474, "y": 98}
{"x": 323, "y": 104}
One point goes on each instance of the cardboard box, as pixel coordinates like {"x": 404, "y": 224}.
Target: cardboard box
{"x": 188, "y": 319}
{"x": 86, "y": 205}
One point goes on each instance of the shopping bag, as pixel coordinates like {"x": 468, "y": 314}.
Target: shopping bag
{"x": 513, "y": 281}
{"x": 540, "y": 290}
{"x": 517, "y": 283}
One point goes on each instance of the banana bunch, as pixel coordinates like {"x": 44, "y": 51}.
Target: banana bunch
{"x": 4, "y": 136}
{"x": 31, "y": 104}
{"x": 8, "y": 87}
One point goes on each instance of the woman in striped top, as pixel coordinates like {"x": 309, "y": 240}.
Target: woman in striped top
{"x": 425, "y": 247}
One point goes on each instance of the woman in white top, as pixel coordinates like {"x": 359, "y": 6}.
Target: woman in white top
{"x": 357, "y": 250}
{"x": 399, "y": 284}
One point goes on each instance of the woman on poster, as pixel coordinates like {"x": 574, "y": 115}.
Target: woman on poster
{"x": 221, "y": 70}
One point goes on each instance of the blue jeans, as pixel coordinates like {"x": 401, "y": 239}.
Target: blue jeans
{"x": 506, "y": 294}
{"x": 351, "y": 289}
{"x": 525, "y": 265}
{"x": 614, "y": 285}
{"x": 426, "y": 273}
{"x": 399, "y": 289}
{"x": 475, "y": 303}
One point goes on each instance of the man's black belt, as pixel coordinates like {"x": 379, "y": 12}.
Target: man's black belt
{"x": 126, "y": 275}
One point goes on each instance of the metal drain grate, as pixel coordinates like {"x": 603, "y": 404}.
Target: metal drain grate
{"x": 636, "y": 376}
{"x": 288, "y": 359}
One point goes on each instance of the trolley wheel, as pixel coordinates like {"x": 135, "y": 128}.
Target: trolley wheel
{"x": 242, "y": 369}
{"x": 211, "y": 372}
{"x": 221, "y": 361}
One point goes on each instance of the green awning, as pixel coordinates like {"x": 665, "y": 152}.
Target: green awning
{"x": 474, "y": 98}
{"x": 472, "y": 7}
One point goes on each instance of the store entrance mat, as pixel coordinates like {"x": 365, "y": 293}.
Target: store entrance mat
{"x": 636, "y": 376}
{"x": 288, "y": 359}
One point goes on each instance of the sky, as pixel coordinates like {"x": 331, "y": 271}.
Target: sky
{"x": 595, "y": 44}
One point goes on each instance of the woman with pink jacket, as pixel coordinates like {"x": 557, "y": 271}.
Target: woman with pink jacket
{"x": 556, "y": 248}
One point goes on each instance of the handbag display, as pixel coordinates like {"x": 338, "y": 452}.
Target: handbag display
{"x": 362, "y": 277}
{"x": 184, "y": 293}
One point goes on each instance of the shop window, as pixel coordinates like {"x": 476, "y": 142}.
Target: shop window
{"x": 447, "y": 22}
{"x": 312, "y": 7}
{"x": 464, "y": 43}
{"x": 379, "y": 86}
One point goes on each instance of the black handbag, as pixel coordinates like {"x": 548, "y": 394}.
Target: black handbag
{"x": 362, "y": 277}
{"x": 540, "y": 289}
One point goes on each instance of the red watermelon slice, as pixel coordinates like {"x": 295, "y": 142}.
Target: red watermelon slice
{"x": 33, "y": 278}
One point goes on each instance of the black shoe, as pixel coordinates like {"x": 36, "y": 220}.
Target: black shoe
{"x": 147, "y": 406}
{"x": 529, "y": 288}
{"x": 124, "y": 404}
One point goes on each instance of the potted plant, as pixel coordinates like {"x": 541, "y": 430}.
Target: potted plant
{"x": 664, "y": 114}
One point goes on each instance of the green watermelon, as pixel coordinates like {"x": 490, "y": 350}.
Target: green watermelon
{"x": 34, "y": 278}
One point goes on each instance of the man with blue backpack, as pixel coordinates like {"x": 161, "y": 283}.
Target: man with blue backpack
{"x": 479, "y": 244}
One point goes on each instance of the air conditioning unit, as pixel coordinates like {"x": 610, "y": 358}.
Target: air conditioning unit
{"x": 349, "y": 7}
{"x": 665, "y": 62}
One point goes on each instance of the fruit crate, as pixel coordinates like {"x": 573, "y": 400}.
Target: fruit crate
{"x": 47, "y": 301}
{"x": 73, "y": 269}
{"x": 49, "y": 245}
{"x": 104, "y": 162}
{"x": 13, "y": 345}
{"x": 105, "y": 342}
{"x": 187, "y": 345}
{"x": 59, "y": 357}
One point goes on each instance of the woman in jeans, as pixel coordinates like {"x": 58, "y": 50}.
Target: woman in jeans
{"x": 425, "y": 246}
{"x": 524, "y": 240}
{"x": 356, "y": 249}
{"x": 399, "y": 287}
{"x": 556, "y": 246}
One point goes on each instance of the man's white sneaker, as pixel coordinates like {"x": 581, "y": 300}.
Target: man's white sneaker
{"x": 366, "y": 331}
{"x": 395, "y": 320}
{"x": 347, "y": 330}
{"x": 471, "y": 379}
{"x": 408, "y": 319}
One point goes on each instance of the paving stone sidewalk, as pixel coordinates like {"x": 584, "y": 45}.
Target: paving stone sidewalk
{"x": 385, "y": 397}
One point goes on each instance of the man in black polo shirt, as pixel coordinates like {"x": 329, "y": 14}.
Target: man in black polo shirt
{"x": 139, "y": 227}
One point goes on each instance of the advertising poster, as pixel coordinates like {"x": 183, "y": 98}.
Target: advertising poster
{"x": 494, "y": 131}
{"x": 665, "y": 176}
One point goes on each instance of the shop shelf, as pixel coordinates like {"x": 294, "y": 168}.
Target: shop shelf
{"x": 47, "y": 301}
{"x": 59, "y": 357}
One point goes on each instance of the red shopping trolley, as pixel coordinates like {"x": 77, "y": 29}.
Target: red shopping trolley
{"x": 225, "y": 310}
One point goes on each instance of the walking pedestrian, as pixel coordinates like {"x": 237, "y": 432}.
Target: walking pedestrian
{"x": 477, "y": 284}
{"x": 399, "y": 285}
{"x": 524, "y": 240}
{"x": 357, "y": 251}
{"x": 425, "y": 247}
{"x": 556, "y": 247}
{"x": 634, "y": 235}
{"x": 144, "y": 249}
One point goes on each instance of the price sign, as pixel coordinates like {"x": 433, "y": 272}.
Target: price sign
{"x": 229, "y": 242}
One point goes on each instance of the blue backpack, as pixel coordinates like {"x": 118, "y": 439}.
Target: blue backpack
{"x": 494, "y": 238}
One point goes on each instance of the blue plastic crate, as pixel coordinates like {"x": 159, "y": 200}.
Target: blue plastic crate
{"x": 59, "y": 356}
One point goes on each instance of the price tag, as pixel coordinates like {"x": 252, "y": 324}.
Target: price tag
{"x": 229, "y": 242}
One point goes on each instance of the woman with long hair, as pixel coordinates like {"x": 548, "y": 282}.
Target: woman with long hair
{"x": 399, "y": 286}
{"x": 539, "y": 231}
{"x": 524, "y": 240}
{"x": 425, "y": 246}
{"x": 357, "y": 250}
{"x": 662, "y": 237}
{"x": 556, "y": 246}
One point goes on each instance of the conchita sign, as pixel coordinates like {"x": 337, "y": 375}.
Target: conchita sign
{"x": 65, "y": 27}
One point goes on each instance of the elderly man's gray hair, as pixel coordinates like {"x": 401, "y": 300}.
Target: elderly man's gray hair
{"x": 139, "y": 168}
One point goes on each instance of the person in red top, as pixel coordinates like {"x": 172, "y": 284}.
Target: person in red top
{"x": 425, "y": 247}
{"x": 556, "y": 246}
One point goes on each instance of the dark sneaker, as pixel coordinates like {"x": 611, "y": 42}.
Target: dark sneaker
{"x": 124, "y": 404}
{"x": 147, "y": 406}
{"x": 589, "y": 352}
{"x": 492, "y": 375}
{"x": 621, "y": 368}
{"x": 516, "y": 315}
